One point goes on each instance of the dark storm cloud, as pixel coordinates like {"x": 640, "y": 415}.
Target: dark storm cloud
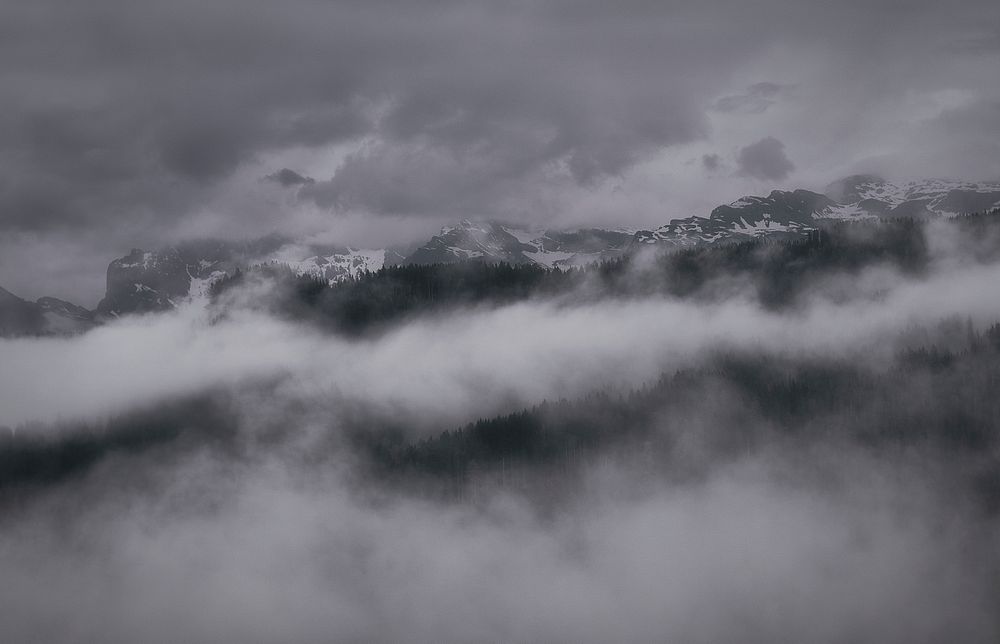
{"x": 765, "y": 160}
{"x": 275, "y": 533}
{"x": 711, "y": 162}
{"x": 116, "y": 101}
{"x": 132, "y": 120}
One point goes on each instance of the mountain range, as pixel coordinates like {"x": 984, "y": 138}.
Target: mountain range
{"x": 145, "y": 281}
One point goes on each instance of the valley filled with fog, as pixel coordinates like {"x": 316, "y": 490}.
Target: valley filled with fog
{"x": 602, "y": 455}
{"x": 478, "y": 321}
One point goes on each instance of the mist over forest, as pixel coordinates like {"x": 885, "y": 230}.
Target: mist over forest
{"x": 479, "y": 321}
{"x": 760, "y": 441}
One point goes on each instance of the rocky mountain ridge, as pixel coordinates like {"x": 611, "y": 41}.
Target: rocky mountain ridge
{"x": 865, "y": 195}
{"x": 146, "y": 281}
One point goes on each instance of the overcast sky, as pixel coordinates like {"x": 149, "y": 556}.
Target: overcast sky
{"x": 137, "y": 123}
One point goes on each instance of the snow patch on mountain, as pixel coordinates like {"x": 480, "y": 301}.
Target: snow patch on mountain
{"x": 496, "y": 242}
{"x": 336, "y": 267}
{"x": 145, "y": 281}
{"x": 199, "y": 289}
{"x": 871, "y": 196}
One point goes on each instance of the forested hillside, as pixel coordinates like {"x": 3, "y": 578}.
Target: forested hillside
{"x": 776, "y": 273}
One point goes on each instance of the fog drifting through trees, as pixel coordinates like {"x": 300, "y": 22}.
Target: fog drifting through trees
{"x": 658, "y": 467}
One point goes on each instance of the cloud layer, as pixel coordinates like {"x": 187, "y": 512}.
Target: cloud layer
{"x": 278, "y": 533}
{"x": 225, "y": 552}
{"x": 133, "y": 123}
{"x": 462, "y": 365}
{"x": 765, "y": 160}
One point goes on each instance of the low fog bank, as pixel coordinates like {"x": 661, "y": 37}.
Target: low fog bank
{"x": 816, "y": 546}
{"x": 249, "y": 516}
{"x": 462, "y": 364}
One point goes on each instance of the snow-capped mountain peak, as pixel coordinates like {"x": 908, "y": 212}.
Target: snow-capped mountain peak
{"x": 334, "y": 267}
{"x": 780, "y": 214}
{"x": 158, "y": 280}
{"x": 872, "y": 196}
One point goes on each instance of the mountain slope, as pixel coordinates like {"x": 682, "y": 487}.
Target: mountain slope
{"x": 865, "y": 195}
{"x": 19, "y": 317}
{"x": 780, "y": 214}
{"x": 790, "y": 214}
{"x": 496, "y": 242}
{"x": 486, "y": 241}
{"x": 47, "y": 316}
{"x": 145, "y": 281}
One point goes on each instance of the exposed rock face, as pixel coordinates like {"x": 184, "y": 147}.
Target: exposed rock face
{"x": 778, "y": 215}
{"x": 579, "y": 247}
{"x": 145, "y": 281}
{"x": 865, "y": 195}
{"x": 496, "y": 242}
{"x": 148, "y": 281}
{"x": 790, "y": 214}
{"x": 485, "y": 241}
